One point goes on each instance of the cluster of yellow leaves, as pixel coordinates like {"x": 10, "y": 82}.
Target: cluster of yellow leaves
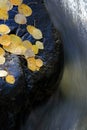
{"x": 13, "y": 44}
{"x": 34, "y": 64}
{"x": 23, "y": 10}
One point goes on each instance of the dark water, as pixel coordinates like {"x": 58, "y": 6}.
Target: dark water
{"x": 69, "y": 112}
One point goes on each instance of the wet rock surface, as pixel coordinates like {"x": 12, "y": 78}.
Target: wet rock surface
{"x": 30, "y": 88}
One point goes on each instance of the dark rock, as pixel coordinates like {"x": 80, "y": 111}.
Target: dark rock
{"x": 30, "y": 88}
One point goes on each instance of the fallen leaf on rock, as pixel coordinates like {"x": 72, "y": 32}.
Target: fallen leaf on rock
{"x": 31, "y": 62}
{"x": 15, "y": 42}
{"x": 3, "y": 14}
{"x": 35, "y": 32}
{"x": 2, "y": 60}
{"x": 25, "y": 10}
{"x": 35, "y": 49}
{"x": 39, "y": 45}
{"x": 2, "y": 52}
{"x": 10, "y": 79}
{"x": 16, "y": 2}
{"x": 5, "y": 40}
{"x": 4, "y": 29}
{"x": 39, "y": 63}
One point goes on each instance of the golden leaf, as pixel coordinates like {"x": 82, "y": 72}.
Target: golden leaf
{"x": 35, "y": 49}
{"x": 2, "y": 52}
{"x": 35, "y": 32}
{"x": 5, "y": 40}
{"x": 25, "y": 10}
{"x": 3, "y": 14}
{"x": 15, "y": 42}
{"x": 2, "y": 60}
{"x": 16, "y": 2}
{"x": 39, "y": 45}
{"x": 10, "y": 79}
{"x": 31, "y": 62}
{"x": 39, "y": 63}
{"x": 4, "y": 29}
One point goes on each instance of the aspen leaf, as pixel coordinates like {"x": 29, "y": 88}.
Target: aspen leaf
{"x": 16, "y": 2}
{"x": 20, "y": 19}
{"x": 10, "y": 79}
{"x": 4, "y": 29}
{"x": 25, "y": 10}
{"x": 35, "y": 49}
{"x": 39, "y": 45}
{"x": 31, "y": 62}
{"x": 5, "y": 40}
{"x": 39, "y": 62}
{"x": 2, "y": 60}
{"x": 15, "y": 42}
{"x": 2, "y": 52}
{"x": 3, "y": 14}
{"x": 35, "y": 32}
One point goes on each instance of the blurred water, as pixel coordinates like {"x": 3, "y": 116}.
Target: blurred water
{"x": 70, "y": 17}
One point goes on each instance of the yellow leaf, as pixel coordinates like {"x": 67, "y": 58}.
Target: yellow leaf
{"x": 5, "y": 40}
{"x": 19, "y": 50}
{"x": 20, "y": 19}
{"x": 35, "y": 49}
{"x": 31, "y": 62}
{"x": 15, "y": 42}
{"x": 4, "y": 29}
{"x": 39, "y": 45}
{"x": 16, "y": 2}
{"x": 10, "y": 79}
{"x": 3, "y": 14}
{"x": 27, "y": 44}
{"x": 2, "y": 52}
{"x": 25, "y": 10}
{"x": 2, "y": 60}
{"x": 35, "y": 32}
{"x": 15, "y": 39}
{"x": 39, "y": 63}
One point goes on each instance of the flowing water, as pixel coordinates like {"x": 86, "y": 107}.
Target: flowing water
{"x": 69, "y": 113}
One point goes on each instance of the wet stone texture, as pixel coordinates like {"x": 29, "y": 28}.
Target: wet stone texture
{"x": 30, "y": 88}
